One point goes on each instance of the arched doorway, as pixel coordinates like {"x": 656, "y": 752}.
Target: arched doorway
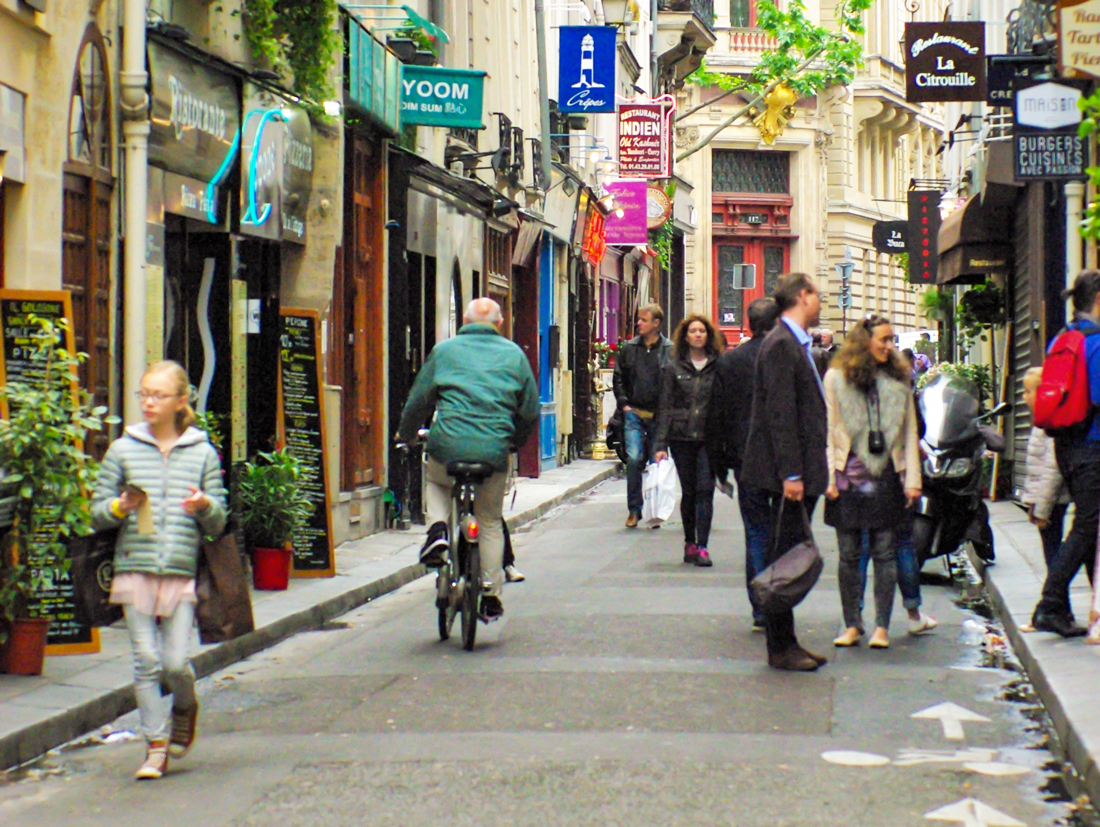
{"x": 86, "y": 229}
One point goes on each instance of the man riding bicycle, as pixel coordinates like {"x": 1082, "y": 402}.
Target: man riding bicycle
{"x": 486, "y": 402}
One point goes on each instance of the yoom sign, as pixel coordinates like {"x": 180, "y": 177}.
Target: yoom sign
{"x": 436, "y": 96}
{"x": 944, "y": 61}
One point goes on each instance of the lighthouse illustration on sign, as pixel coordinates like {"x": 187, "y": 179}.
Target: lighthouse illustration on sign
{"x": 587, "y": 81}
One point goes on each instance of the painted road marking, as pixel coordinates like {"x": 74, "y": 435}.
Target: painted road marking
{"x": 996, "y": 768}
{"x": 951, "y": 716}
{"x": 912, "y": 757}
{"x": 852, "y": 758}
{"x": 973, "y": 813}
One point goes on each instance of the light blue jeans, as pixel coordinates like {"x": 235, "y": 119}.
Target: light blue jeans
{"x": 638, "y": 434}
{"x": 167, "y": 655}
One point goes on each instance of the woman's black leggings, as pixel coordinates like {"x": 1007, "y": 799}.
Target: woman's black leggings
{"x": 697, "y": 484}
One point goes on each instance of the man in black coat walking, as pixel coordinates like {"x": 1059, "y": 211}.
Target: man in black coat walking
{"x": 785, "y": 451}
{"x": 731, "y": 406}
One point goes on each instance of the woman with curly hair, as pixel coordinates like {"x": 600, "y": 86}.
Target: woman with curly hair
{"x": 874, "y": 461}
{"x": 686, "y": 385}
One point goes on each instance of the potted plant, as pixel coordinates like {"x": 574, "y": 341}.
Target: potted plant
{"x": 47, "y": 480}
{"x": 271, "y": 506}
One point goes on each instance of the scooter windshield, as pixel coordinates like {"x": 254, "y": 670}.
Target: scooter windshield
{"x": 949, "y": 405}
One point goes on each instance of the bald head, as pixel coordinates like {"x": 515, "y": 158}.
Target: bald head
{"x": 483, "y": 310}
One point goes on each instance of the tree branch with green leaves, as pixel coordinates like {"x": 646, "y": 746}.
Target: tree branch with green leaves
{"x": 807, "y": 59}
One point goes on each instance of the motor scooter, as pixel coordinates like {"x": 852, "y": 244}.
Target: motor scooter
{"x": 956, "y": 437}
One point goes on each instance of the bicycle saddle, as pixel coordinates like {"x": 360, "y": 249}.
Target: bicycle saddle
{"x": 471, "y": 471}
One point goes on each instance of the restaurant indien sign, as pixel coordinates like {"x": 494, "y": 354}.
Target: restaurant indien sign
{"x": 644, "y": 132}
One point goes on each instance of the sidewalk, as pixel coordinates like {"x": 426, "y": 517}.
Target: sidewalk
{"x": 1065, "y": 673}
{"x": 78, "y": 693}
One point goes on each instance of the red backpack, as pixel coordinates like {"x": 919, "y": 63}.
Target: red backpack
{"x": 1062, "y": 400}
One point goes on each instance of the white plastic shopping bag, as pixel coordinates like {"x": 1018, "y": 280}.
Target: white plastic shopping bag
{"x": 660, "y": 491}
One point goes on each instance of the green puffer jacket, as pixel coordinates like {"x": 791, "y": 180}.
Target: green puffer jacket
{"x": 173, "y": 547}
{"x": 484, "y": 396}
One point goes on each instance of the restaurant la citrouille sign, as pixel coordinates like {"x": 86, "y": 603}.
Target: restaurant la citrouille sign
{"x": 1079, "y": 38}
{"x": 944, "y": 61}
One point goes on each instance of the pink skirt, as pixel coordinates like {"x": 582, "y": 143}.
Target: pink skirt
{"x": 152, "y": 594}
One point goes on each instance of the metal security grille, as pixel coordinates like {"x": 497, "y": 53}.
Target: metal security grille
{"x": 741, "y": 170}
{"x": 1024, "y": 344}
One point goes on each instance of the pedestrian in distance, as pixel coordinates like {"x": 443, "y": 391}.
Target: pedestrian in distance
{"x": 637, "y": 387}
{"x": 874, "y": 466}
{"x": 486, "y": 402}
{"x": 730, "y": 410}
{"x": 687, "y": 383}
{"x": 784, "y": 456}
{"x": 1045, "y": 493}
{"x": 160, "y": 485}
{"x": 822, "y": 348}
{"x": 1077, "y": 450}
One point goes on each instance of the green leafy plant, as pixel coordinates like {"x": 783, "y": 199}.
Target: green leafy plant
{"x": 424, "y": 41}
{"x": 980, "y": 308}
{"x": 660, "y": 239}
{"x": 980, "y": 375}
{"x": 212, "y": 423}
{"x": 45, "y": 468}
{"x": 935, "y": 304}
{"x": 807, "y": 59}
{"x": 299, "y": 38}
{"x": 1090, "y": 225}
{"x": 269, "y": 500}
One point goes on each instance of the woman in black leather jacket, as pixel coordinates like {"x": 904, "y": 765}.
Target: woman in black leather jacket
{"x": 686, "y": 385}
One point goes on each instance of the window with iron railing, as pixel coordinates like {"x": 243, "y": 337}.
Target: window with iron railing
{"x": 704, "y": 9}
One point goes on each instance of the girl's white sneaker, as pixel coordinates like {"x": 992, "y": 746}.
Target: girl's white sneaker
{"x": 922, "y": 625}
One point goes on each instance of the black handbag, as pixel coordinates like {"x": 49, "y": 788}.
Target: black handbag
{"x": 93, "y": 563}
{"x": 786, "y": 582}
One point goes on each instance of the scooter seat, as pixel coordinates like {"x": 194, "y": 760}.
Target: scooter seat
{"x": 470, "y": 471}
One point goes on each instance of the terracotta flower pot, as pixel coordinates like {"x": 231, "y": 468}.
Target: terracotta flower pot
{"x": 24, "y": 653}
{"x": 271, "y": 568}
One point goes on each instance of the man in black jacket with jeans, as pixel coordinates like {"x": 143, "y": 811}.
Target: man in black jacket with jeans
{"x": 637, "y": 388}
{"x": 730, "y": 409}
{"x": 785, "y": 452}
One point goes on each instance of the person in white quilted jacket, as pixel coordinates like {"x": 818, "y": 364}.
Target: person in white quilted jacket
{"x": 1045, "y": 492}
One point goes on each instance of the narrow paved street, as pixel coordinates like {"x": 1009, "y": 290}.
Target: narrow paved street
{"x": 622, "y": 688}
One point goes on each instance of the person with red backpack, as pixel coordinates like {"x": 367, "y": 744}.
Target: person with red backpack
{"x": 1066, "y": 404}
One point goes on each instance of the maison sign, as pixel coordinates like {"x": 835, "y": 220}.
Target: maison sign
{"x": 1079, "y": 38}
{"x": 944, "y": 61}
{"x": 1046, "y": 146}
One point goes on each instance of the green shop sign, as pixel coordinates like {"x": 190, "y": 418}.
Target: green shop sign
{"x": 436, "y": 96}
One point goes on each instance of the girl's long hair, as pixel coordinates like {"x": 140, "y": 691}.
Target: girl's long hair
{"x": 185, "y": 417}
{"x": 680, "y": 345}
{"x": 854, "y": 359}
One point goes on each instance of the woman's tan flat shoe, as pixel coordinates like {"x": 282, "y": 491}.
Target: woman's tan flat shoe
{"x": 879, "y": 640}
{"x": 849, "y": 637}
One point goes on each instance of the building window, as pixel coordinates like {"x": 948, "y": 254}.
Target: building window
{"x": 740, "y": 170}
{"x": 741, "y": 15}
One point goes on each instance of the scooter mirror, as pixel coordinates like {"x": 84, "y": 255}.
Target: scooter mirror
{"x": 999, "y": 410}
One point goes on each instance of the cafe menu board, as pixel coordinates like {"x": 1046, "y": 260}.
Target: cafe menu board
{"x": 302, "y": 429}
{"x": 70, "y": 632}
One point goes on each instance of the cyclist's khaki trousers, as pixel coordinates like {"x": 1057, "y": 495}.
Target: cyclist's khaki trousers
{"x": 488, "y": 506}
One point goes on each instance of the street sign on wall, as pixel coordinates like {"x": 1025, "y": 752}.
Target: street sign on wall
{"x": 924, "y": 231}
{"x": 437, "y": 96}
{"x": 1079, "y": 38}
{"x": 944, "y": 61}
{"x": 1045, "y": 143}
{"x": 587, "y": 58}
{"x": 644, "y": 150}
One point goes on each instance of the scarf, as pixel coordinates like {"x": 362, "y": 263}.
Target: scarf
{"x": 858, "y": 420}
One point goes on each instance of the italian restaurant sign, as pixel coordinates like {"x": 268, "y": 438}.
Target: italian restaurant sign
{"x": 436, "y": 96}
{"x": 944, "y": 61}
{"x": 586, "y": 68}
{"x": 644, "y": 150}
{"x": 1079, "y": 38}
{"x": 1046, "y": 146}
{"x": 890, "y": 236}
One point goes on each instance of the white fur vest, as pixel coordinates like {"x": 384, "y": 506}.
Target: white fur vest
{"x": 857, "y": 419}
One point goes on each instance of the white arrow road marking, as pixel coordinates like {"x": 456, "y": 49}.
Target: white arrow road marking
{"x": 996, "y": 768}
{"x": 972, "y": 813}
{"x": 912, "y": 757}
{"x": 951, "y": 716}
{"x": 851, "y": 758}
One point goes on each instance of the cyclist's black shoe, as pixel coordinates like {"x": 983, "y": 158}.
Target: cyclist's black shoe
{"x": 491, "y": 608}
{"x": 435, "y": 546}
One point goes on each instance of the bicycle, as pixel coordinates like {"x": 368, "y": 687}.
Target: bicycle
{"x": 458, "y": 581}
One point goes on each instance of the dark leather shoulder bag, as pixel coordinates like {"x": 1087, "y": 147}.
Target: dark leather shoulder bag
{"x": 786, "y": 582}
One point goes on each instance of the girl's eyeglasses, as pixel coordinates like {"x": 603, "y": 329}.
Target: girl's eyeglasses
{"x": 155, "y": 396}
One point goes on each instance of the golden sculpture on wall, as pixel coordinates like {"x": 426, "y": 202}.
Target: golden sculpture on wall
{"x": 778, "y": 110}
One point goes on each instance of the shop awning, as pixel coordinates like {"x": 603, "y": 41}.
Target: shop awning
{"x": 975, "y": 241}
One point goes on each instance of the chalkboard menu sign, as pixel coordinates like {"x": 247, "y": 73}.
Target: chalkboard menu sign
{"x": 70, "y": 630}
{"x": 302, "y": 426}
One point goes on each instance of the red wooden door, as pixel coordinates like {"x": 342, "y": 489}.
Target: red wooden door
{"x": 731, "y": 300}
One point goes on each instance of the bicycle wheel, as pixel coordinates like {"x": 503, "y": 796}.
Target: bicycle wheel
{"x": 471, "y": 596}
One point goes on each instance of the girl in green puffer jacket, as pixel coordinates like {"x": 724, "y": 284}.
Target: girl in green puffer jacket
{"x": 161, "y": 485}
